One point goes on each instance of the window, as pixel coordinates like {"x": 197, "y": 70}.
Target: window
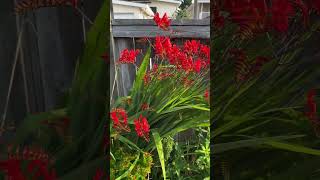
{"x": 205, "y": 11}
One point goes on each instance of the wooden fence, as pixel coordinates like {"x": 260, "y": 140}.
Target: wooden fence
{"x": 51, "y": 41}
{"x": 128, "y": 34}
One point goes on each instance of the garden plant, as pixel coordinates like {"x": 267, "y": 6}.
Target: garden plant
{"x": 145, "y": 123}
{"x": 71, "y": 143}
{"x": 264, "y": 89}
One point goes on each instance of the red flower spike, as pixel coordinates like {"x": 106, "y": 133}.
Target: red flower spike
{"x": 197, "y": 65}
{"x": 155, "y": 68}
{"x": 128, "y": 56}
{"x": 163, "y": 46}
{"x": 316, "y": 5}
{"x": 304, "y": 9}
{"x": 138, "y": 127}
{"x": 206, "y": 95}
{"x": 99, "y": 175}
{"x": 146, "y": 79}
{"x": 205, "y": 51}
{"x": 312, "y": 111}
{"x": 312, "y": 106}
{"x": 145, "y": 126}
{"x": 144, "y": 106}
{"x": 117, "y": 114}
{"x": 281, "y": 10}
{"x": 218, "y": 20}
{"x": 142, "y": 127}
{"x": 163, "y": 23}
{"x": 115, "y": 119}
{"x": 191, "y": 47}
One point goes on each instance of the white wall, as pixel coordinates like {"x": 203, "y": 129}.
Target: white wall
{"x": 136, "y": 11}
{"x": 164, "y": 7}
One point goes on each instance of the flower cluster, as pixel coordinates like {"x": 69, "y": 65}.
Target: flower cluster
{"x": 312, "y": 111}
{"x": 38, "y": 164}
{"x": 312, "y": 106}
{"x": 142, "y": 127}
{"x": 120, "y": 119}
{"x": 128, "y": 56}
{"x": 244, "y": 70}
{"x": 99, "y": 175}
{"x": 193, "y": 56}
{"x": 120, "y": 122}
{"x": 274, "y": 15}
{"x": 207, "y": 95}
{"x": 163, "y": 22}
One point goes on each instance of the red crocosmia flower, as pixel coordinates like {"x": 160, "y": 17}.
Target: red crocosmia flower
{"x": 173, "y": 55}
{"x": 205, "y": 54}
{"x": 145, "y": 106}
{"x": 138, "y": 128}
{"x": 316, "y": 5}
{"x": 117, "y": 114}
{"x": 159, "y": 50}
{"x": 191, "y": 47}
{"x": 162, "y": 46}
{"x": 163, "y": 22}
{"x": 248, "y": 13}
{"x": 187, "y": 82}
{"x": 142, "y": 127}
{"x": 218, "y": 20}
{"x": 146, "y": 79}
{"x": 115, "y": 119}
{"x": 281, "y": 10}
{"x": 204, "y": 51}
{"x": 42, "y": 170}
{"x": 260, "y": 61}
{"x": 197, "y": 65}
{"x": 12, "y": 168}
{"x": 206, "y": 95}
{"x": 128, "y": 56}
{"x": 145, "y": 126}
{"x": 99, "y": 175}
{"x": 312, "y": 111}
{"x": 167, "y": 45}
{"x": 312, "y": 106}
{"x": 185, "y": 62}
{"x": 38, "y": 163}
{"x": 242, "y": 11}
{"x": 304, "y": 9}
{"x": 155, "y": 68}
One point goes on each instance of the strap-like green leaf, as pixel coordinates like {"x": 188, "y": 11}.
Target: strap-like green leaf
{"x": 125, "y": 174}
{"x": 141, "y": 72}
{"x": 158, "y": 143}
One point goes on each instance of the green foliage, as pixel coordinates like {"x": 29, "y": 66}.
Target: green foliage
{"x": 182, "y": 12}
{"x": 130, "y": 164}
{"x": 78, "y": 151}
{"x": 168, "y": 143}
{"x": 185, "y": 4}
{"x": 260, "y": 122}
{"x": 168, "y": 113}
{"x": 191, "y": 160}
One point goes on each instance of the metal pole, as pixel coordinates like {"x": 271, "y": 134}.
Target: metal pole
{"x": 195, "y": 10}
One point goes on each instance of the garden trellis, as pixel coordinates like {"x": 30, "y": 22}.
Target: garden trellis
{"x": 129, "y": 33}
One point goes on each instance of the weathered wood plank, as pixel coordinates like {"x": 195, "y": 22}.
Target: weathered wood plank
{"x": 147, "y": 28}
{"x": 150, "y": 22}
{"x": 186, "y": 34}
{"x": 127, "y": 72}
